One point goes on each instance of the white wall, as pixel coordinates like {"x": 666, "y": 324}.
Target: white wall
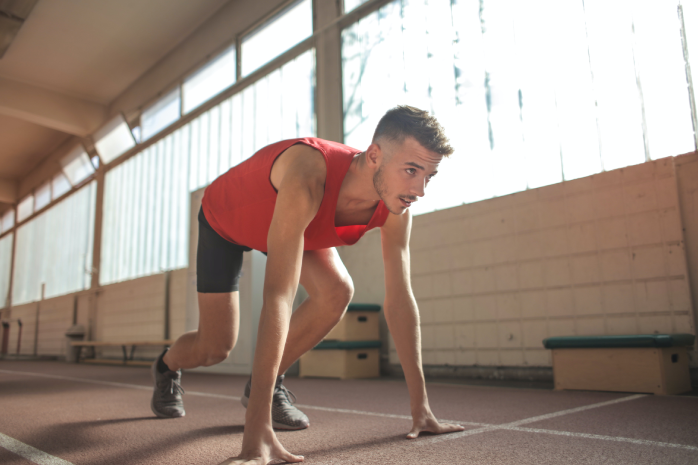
{"x": 599, "y": 255}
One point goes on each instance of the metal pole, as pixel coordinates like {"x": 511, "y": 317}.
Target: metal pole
{"x": 5, "y": 336}
{"x": 19, "y": 336}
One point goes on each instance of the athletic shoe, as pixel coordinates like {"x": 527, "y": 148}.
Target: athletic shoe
{"x": 167, "y": 395}
{"x": 283, "y": 414}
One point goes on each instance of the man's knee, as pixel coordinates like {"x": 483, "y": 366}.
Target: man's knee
{"x": 338, "y": 296}
{"x": 211, "y": 354}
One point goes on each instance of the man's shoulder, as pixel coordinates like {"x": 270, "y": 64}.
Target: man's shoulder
{"x": 325, "y": 145}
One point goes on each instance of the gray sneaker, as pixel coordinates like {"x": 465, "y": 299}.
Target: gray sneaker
{"x": 283, "y": 414}
{"x": 167, "y": 395}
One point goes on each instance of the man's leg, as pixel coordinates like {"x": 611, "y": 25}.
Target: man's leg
{"x": 210, "y": 344}
{"x": 330, "y": 290}
{"x": 219, "y": 321}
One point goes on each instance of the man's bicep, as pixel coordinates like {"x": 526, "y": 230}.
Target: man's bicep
{"x": 298, "y": 199}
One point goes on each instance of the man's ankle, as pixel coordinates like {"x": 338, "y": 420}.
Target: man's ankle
{"x": 162, "y": 366}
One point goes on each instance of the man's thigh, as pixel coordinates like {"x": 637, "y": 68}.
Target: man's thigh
{"x": 219, "y": 317}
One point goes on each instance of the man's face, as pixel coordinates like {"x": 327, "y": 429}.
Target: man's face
{"x": 403, "y": 173}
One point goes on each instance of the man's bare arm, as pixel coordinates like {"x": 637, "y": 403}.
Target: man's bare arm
{"x": 300, "y": 193}
{"x": 402, "y": 316}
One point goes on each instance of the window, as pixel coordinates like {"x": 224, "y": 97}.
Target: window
{"x": 5, "y": 268}
{"x": 350, "y": 5}
{"x": 114, "y": 139}
{"x": 146, "y": 198}
{"x": 54, "y": 249}
{"x": 522, "y": 110}
{"x": 287, "y": 29}
{"x": 42, "y": 196}
{"x": 25, "y": 208}
{"x": 8, "y": 220}
{"x": 161, "y": 114}
{"x": 77, "y": 165}
{"x": 210, "y": 80}
{"x": 60, "y": 185}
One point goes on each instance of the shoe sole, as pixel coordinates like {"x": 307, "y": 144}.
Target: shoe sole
{"x": 244, "y": 400}
{"x": 152, "y": 399}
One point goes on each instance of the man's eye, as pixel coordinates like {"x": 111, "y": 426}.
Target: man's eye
{"x": 411, "y": 170}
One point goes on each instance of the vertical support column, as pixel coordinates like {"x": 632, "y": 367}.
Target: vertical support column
{"x": 96, "y": 255}
{"x": 328, "y": 65}
{"x": 168, "y": 279}
{"x": 8, "y": 300}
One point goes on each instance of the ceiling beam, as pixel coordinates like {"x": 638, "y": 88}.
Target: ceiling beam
{"x": 50, "y": 109}
{"x": 8, "y": 191}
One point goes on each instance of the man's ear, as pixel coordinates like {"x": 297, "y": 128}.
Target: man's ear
{"x": 374, "y": 155}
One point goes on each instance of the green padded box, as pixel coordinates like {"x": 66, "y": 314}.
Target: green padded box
{"x": 605, "y": 342}
{"x": 360, "y": 323}
{"x": 652, "y": 363}
{"x": 342, "y": 359}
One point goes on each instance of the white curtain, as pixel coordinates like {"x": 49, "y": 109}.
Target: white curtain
{"x": 530, "y": 93}
{"x": 146, "y": 199}
{"x": 54, "y": 249}
{"x": 5, "y": 267}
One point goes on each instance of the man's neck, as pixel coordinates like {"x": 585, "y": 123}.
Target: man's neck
{"x": 357, "y": 195}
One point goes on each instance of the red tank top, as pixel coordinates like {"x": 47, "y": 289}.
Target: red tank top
{"x": 240, "y": 203}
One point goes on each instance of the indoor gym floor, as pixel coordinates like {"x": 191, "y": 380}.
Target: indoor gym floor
{"x": 57, "y": 413}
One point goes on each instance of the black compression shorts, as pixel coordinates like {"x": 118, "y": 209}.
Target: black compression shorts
{"x": 218, "y": 262}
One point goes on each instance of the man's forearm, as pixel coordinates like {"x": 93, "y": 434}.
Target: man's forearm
{"x": 271, "y": 339}
{"x": 403, "y": 323}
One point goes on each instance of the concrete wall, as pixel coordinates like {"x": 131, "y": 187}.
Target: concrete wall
{"x": 604, "y": 254}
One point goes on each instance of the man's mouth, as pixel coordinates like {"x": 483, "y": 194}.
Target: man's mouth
{"x": 406, "y": 203}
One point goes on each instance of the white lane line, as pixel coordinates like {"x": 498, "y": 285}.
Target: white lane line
{"x": 513, "y": 424}
{"x": 110, "y": 383}
{"x": 382, "y": 415}
{"x": 575, "y": 410}
{"x": 30, "y": 453}
{"x": 82, "y": 380}
{"x": 643, "y": 442}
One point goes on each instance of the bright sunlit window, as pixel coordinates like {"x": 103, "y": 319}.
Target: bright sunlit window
{"x": 113, "y": 139}
{"x": 60, "y": 185}
{"x": 77, "y": 165}
{"x": 350, "y": 5}
{"x": 290, "y": 27}
{"x": 526, "y": 101}
{"x": 161, "y": 114}
{"x": 25, "y": 208}
{"x": 8, "y": 220}
{"x": 42, "y": 196}
{"x": 209, "y": 81}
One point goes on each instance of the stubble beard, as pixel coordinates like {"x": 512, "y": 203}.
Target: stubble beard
{"x": 379, "y": 185}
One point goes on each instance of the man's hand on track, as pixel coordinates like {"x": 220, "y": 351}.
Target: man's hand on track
{"x": 427, "y": 423}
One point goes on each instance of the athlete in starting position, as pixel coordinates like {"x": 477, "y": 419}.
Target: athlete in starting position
{"x": 297, "y": 200}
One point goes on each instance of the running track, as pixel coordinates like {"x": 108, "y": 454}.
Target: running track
{"x": 58, "y": 414}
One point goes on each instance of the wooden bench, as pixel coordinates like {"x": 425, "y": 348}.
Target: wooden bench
{"x": 651, "y": 363}
{"x": 128, "y": 355}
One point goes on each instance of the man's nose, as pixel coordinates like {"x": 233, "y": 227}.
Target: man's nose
{"x": 418, "y": 188}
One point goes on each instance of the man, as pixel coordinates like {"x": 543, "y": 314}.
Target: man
{"x": 297, "y": 200}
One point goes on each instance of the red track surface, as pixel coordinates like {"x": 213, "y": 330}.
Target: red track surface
{"x": 75, "y": 413}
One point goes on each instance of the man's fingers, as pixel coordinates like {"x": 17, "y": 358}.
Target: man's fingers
{"x": 450, "y": 428}
{"x": 290, "y": 458}
{"x": 439, "y": 428}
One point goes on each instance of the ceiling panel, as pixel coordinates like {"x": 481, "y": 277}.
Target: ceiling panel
{"x": 96, "y": 49}
{"x": 24, "y": 145}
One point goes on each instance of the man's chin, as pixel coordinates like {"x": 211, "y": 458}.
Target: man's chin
{"x": 397, "y": 209}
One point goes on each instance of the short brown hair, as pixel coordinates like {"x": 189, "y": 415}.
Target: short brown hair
{"x": 403, "y": 121}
